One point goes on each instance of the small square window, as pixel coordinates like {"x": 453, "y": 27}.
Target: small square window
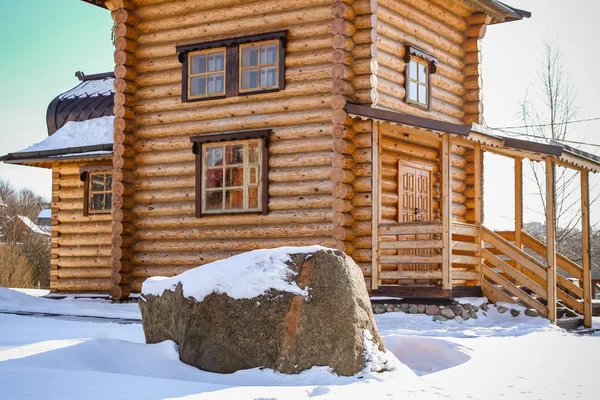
{"x": 231, "y": 172}
{"x": 206, "y": 74}
{"x": 259, "y": 66}
{"x": 97, "y": 189}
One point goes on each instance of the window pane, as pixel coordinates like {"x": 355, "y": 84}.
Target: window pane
{"x": 216, "y": 61}
{"x": 108, "y": 201}
{"x": 215, "y": 83}
{"x": 214, "y": 178}
{"x": 234, "y": 154}
{"x": 98, "y": 201}
{"x": 214, "y": 200}
{"x": 268, "y": 54}
{"x": 253, "y": 175}
{"x": 198, "y": 64}
{"x": 268, "y": 77}
{"x": 234, "y": 199}
{"x": 412, "y": 69}
{"x": 249, "y": 56}
{"x": 253, "y": 152}
{"x": 422, "y": 74}
{"x": 253, "y": 197}
{"x": 250, "y": 78}
{"x": 214, "y": 156}
{"x": 97, "y": 182}
{"x": 412, "y": 89}
{"x": 198, "y": 85}
{"x": 422, "y": 94}
{"x": 234, "y": 177}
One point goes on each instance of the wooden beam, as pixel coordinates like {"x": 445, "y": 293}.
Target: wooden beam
{"x": 478, "y": 161}
{"x": 551, "y": 239}
{"x": 585, "y": 247}
{"x": 375, "y": 212}
{"x": 446, "y": 179}
{"x": 518, "y": 204}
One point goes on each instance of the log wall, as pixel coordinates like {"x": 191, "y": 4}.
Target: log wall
{"x": 80, "y": 245}
{"x": 168, "y": 238}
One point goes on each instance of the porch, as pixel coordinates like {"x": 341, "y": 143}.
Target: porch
{"x": 428, "y": 236}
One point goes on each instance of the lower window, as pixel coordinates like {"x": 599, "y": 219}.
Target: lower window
{"x": 231, "y": 172}
{"x": 97, "y": 189}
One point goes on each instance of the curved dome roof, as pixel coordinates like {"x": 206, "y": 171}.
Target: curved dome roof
{"x": 92, "y": 98}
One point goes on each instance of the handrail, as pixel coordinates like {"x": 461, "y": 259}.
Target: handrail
{"x": 514, "y": 252}
{"x": 562, "y": 261}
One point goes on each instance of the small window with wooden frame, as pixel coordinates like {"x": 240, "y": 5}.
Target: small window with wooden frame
{"x": 232, "y": 67}
{"x": 231, "y": 172}
{"x": 97, "y": 189}
{"x": 206, "y": 72}
{"x": 419, "y": 68}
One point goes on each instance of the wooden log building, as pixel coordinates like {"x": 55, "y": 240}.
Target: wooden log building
{"x": 353, "y": 124}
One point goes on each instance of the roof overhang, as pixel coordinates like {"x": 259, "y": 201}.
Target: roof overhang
{"x": 499, "y": 11}
{"x": 394, "y": 117}
{"x": 470, "y": 135}
{"x": 57, "y": 154}
{"x": 99, "y": 3}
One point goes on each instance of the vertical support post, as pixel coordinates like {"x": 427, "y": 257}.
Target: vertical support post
{"x": 585, "y": 247}
{"x": 375, "y": 213}
{"x": 478, "y": 161}
{"x": 518, "y": 205}
{"x": 446, "y": 177}
{"x": 551, "y": 239}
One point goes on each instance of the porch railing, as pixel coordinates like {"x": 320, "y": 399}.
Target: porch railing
{"x": 480, "y": 257}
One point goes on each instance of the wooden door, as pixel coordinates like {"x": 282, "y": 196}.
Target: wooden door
{"x": 414, "y": 205}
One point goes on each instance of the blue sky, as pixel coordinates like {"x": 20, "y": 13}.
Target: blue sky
{"x": 43, "y": 43}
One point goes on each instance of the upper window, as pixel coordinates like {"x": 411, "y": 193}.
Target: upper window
{"x": 97, "y": 189}
{"x": 259, "y": 66}
{"x": 418, "y": 82}
{"x": 206, "y": 72}
{"x": 232, "y": 67}
{"x": 419, "y": 67}
{"x": 231, "y": 172}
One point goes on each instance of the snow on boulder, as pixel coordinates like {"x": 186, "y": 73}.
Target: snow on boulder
{"x": 286, "y": 309}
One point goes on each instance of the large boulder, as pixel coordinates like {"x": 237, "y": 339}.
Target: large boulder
{"x": 287, "y": 309}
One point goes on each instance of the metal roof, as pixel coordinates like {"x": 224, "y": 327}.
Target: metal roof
{"x": 92, "y": 98}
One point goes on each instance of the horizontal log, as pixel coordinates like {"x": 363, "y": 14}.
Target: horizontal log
{"x": 237, "y": 244}
{"x": 257, "y": 231}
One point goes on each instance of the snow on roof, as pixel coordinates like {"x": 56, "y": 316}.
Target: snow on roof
{"x": 77, "y": 134}
{"x": 46, "y": 213}
{"x": 243, "y": 276}
{"x": 91, "y": 88}
{"x": 31, "y": 225}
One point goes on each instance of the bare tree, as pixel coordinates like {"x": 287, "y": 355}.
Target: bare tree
{"x": 548, "y": 116}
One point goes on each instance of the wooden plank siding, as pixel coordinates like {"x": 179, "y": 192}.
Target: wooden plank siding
{"x": 168, "y": 237}
{"x": 81, "y": 245}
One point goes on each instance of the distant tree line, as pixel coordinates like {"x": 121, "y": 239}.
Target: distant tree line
{"x": 24, "y": 255}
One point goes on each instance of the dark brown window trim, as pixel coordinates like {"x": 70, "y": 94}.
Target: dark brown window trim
{"x": 411, "y": 51}
{"x": 84, "y": 176}
{"x": 198, "y": 141}
{"x": 232, "y": 63}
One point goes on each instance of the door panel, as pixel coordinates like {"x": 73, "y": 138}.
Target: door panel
{"x": 414, "y": 205}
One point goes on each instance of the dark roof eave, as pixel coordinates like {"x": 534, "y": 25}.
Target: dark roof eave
{"x": 99, "y": 3}
{"x": 407, "y": 119}
{"x": 34, "y": 155}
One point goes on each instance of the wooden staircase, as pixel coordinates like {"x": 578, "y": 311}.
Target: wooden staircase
{"x": 511, "y": 274}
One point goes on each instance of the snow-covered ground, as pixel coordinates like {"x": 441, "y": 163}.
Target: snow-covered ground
{"x": 494, "y": 357}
